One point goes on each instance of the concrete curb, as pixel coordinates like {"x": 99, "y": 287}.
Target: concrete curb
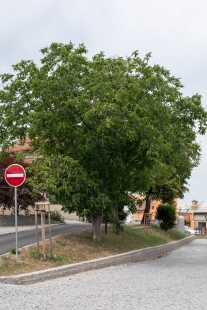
{"x": 124, "y": 258}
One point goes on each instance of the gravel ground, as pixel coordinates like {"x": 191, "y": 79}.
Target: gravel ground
{"x": 176, "y": 281}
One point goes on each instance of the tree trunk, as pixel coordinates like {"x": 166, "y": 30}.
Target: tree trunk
{"x": 96, "y": 223}
{"x": 147, "y": 207}
{"x": 119, "y": 229}
{"x": 116, "y": 214}
{"x": 106, "y": 220}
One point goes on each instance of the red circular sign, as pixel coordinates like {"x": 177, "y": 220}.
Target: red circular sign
{"x": 15, "y": 175}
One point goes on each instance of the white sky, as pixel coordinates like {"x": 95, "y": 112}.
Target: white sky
{"x": 174, "y": 31}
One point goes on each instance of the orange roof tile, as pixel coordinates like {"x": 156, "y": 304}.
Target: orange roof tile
{"x": 18, "y": 146}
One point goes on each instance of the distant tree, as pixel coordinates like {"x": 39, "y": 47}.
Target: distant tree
{"x": 166, "y": 214}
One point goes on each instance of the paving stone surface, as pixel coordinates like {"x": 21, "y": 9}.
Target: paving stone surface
{"x": 176, "y": 281}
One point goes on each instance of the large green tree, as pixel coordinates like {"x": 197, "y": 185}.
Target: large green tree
{"x": 98, "y": 124}
{"x": 169, "y": 176}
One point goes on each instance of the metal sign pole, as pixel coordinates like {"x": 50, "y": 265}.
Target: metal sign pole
{"x": 16, "y": 228}
{"x": 15, "y": 176}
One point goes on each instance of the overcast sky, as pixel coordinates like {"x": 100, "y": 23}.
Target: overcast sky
{"x": 174, "y": 31}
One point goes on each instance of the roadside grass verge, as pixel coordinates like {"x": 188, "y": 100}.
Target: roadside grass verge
{"x": 78, "y": 246}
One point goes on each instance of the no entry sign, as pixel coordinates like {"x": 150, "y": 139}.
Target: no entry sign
{"x": 15, "y": 175}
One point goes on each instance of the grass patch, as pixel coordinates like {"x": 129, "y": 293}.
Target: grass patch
{"x": 13, "y": 251}
{"x": 78, "y": 246}
{"x": 33, "y": 253}
{"x": 61, "y": 242}
{"x": 59, "y": 260}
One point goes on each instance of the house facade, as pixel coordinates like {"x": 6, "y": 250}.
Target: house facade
{"x": 194, "y": 213}
{"x": 153, "y": 208}
{"x": 140, "y": 209}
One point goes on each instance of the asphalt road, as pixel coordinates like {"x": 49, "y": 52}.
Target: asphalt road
{"x": 29, "y": 236}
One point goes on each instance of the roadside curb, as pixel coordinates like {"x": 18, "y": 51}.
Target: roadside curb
{"x": 115, "y": 260}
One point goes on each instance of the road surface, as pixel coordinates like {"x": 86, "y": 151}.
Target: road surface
{"x": 28, "y": 237}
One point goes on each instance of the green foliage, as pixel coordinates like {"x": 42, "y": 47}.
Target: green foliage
{"x": 166, "y": 214}
{"x": 33, "y": 253}
{"x": 103, "y": 127}
{"x": 117, "y": 227}
{"x": 57, "y": 258}
{"x": 19, "y": 156}
{"x": 116, "y": 218}
{"x": 121, "y": 215}
{"x": 61, "y": 260}
{"x": 56, "y": 216}
{"x": 13, "y": 251}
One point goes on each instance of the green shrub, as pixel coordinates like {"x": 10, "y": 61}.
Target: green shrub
{"x": 13, "y": 251}
{"x": 166, "y": 214}
{"x": 57, "y": 258}
{"x": 56, "y": 216}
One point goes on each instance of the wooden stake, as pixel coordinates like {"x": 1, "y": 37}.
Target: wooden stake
{"x": 43, "y": 229}
{"x": 37, "y": 237}
{"x": 42, "y": 206}
{"x": 50, "y": 233}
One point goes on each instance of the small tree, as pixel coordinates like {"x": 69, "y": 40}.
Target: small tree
{"x": 166, "y": 214}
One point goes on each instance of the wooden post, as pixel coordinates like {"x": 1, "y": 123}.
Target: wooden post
{"x": 37, "y": 237}
{"x": 43, "y": 229}
{"x": 42, "y": 206}
{"x": 50, "y": 233}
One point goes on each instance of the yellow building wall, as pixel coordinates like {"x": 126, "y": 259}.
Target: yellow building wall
{"x": 188, "y": 218}
{"x": 153, "y": 208}
{"x": 53, "y": 207}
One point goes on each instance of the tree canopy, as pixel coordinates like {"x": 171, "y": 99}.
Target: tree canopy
{"x": 105, "y": 126}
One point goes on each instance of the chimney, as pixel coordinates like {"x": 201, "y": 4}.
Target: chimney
{"x": 194, "y": 205}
